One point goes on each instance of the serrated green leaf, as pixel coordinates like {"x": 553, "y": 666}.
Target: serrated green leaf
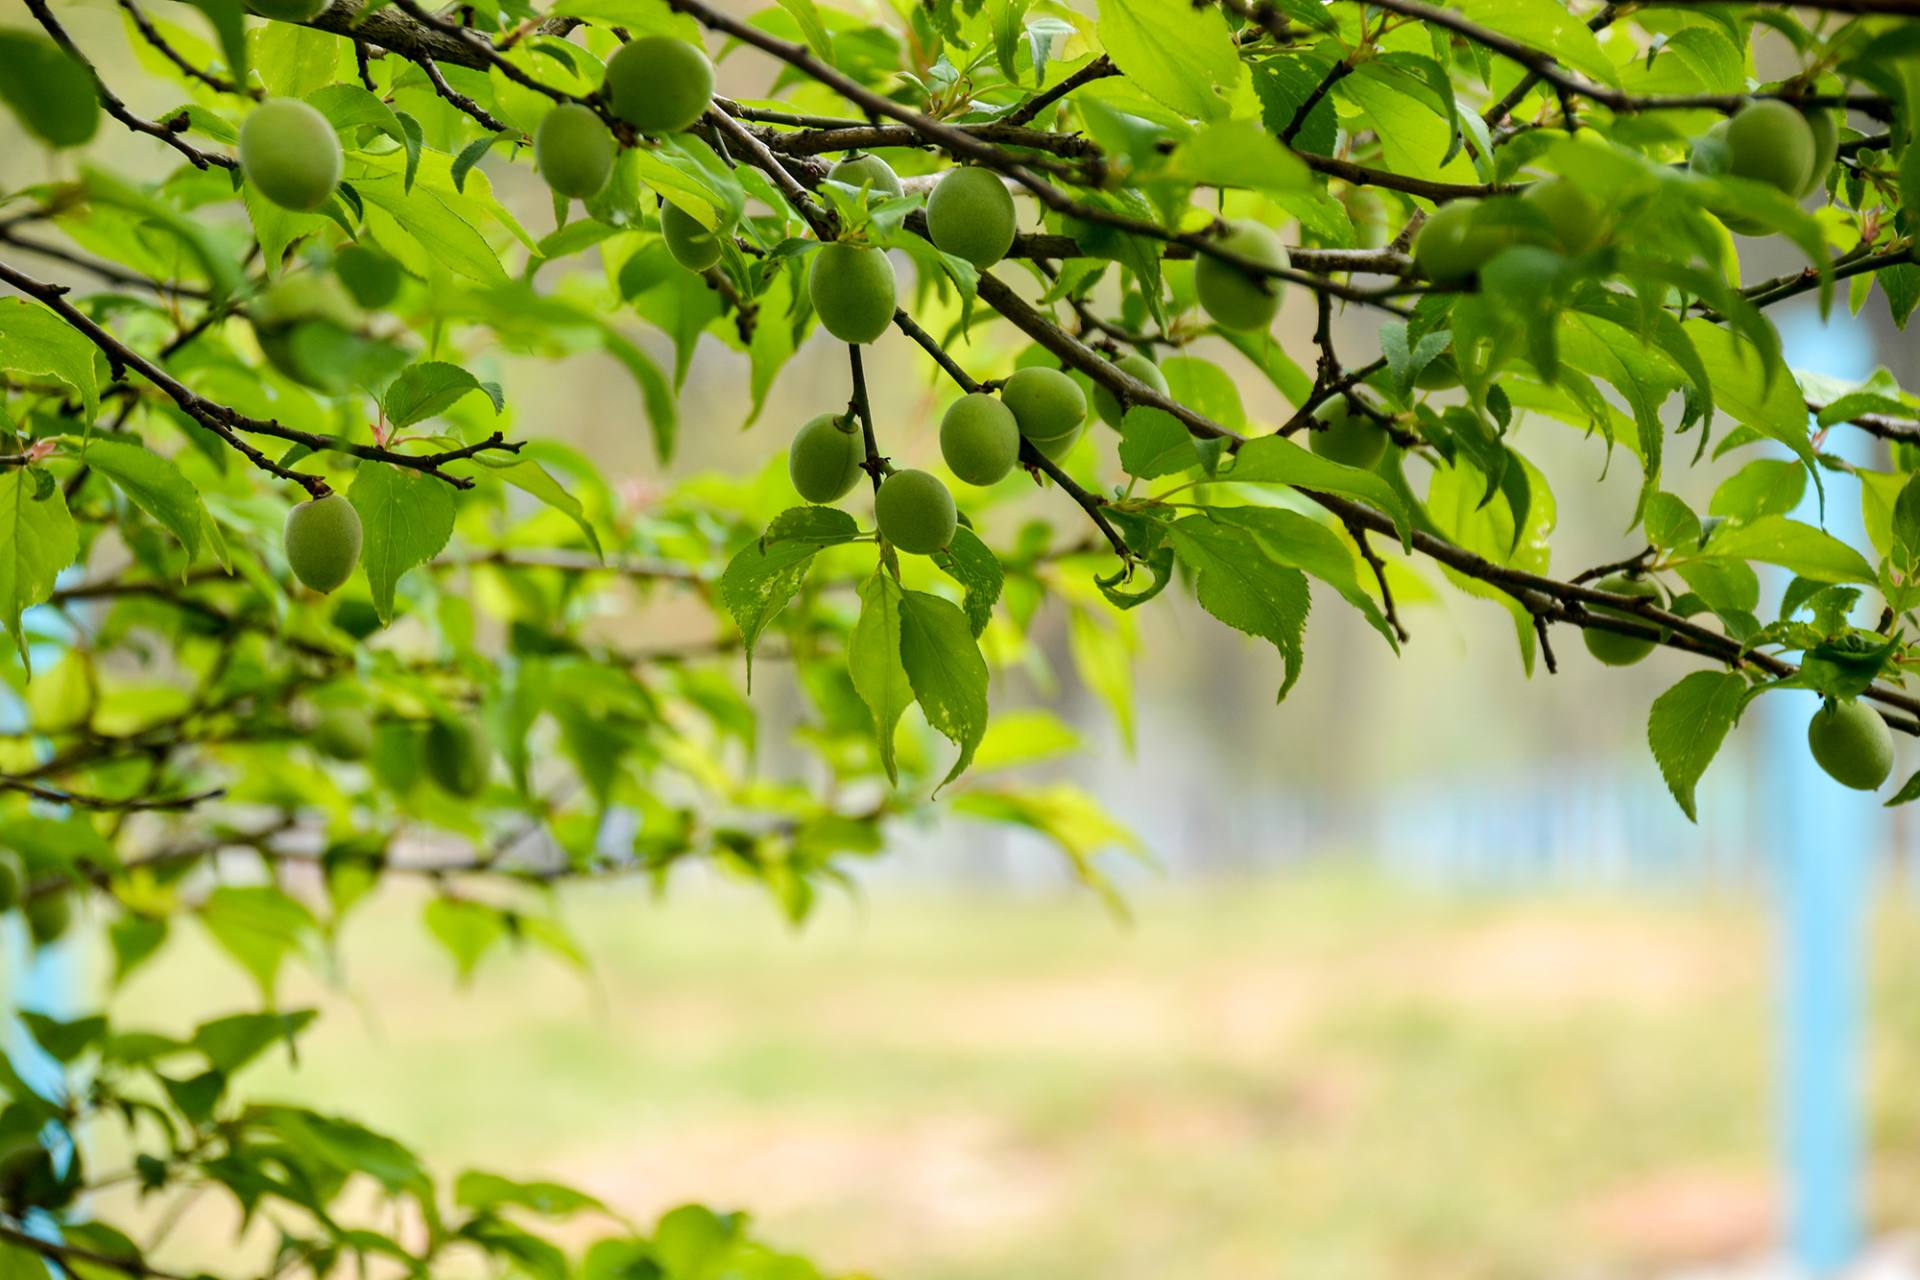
{"x": 37, "y": 541}
{"x": 1687, "y": 725}
{"x": 947, "y": 672}
{"x": 406, "y": 517}
{"x": 873, "y": 660}
{"x": 155, "y": 485}
{"x": 1238, "y": 583}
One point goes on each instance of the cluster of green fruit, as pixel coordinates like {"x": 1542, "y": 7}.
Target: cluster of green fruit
{"x": 1766, "y": 141}
{"x": 980, "y": 439}
{"x": 657, "y": 84}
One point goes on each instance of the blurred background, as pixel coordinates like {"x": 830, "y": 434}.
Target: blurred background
{"x": 1421, "y": 973}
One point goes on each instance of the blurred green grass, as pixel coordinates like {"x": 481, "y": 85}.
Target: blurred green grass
{"x": 1322, "y": 1075}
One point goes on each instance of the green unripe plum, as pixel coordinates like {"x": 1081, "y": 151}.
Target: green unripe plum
{"x": 824, "y": 460}
{"x": 1349, "y": 436}
{"x": 12, "y": 883}
{"x": 344, "y": 733}
{"x": 692, "y": 245}
{"x": 1058, "y": 447}
{"x": 659, "y": 84}
{"x": 868, "y": 171}
{"x": 323, "y": 541}
{"x": 1712, "y": 156}
{"x": 979, "y": 439}
{"x": 1438, "y": 374}
{"x": 49, "y": 916}
{"x": 1826, "y": 148}
{"x": 291, "y": 154}
{"x": 1232, "y": 298}
{"x": 369, "y": 275}
{"x": 1852, "y": 743}
{"x": 288, "y": 10}
{"x": 915, "y": 512}
{"x": 1611, "y": 647}
{"x": 1578, "y": 222}
{"x": 1141, "y": 369}
{"x": 1046, "y": 403}
{"x": 1451, "y": 247}
{"x": 852, "y": 290}
{"x": 1769, "y": 141}
{"x": 456, "y": 757}
{"x": 573, "y": 149}
{"x": 970, "y": 215}
{"x": 287, "y": 308}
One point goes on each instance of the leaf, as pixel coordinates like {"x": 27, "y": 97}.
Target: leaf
{"x": 1277, "y": 460}
{"x": 1155, "y": 443}
{"x": 484, "y": 1191}
{"x": 1909, "y": 791}
{"x": 530, "y": 477}
{"x": 430, "y": 388}
{"x": 468, "y": 930}
{"x": 1771, "y": 405}
{"x": 155, "y": 485}
{"x": 1687, "y": 725}
{"x": 37, "y": 541}
{"x": 1238, "y": 153}
{"x": 1810, "y": 552}
{"x": 48, "y": 89}
{"x": 229, "y": 21}
{"x": 947, "y": 672}
{"x": 873, "y": 660}
{"x": 1181, "y": 56}
{"x": 259, "y": 926}
{"x": 232, "y": 1042}
{"x": 1549, "y": 26}
{"x": 406, "y": 517}
{"x": 968, "y": 562}
{"x": 764, "y": 575}
{"x": 35, "y": 340}
{"x": 352, "y": 106}
{"x": 1240, "y": 585}
{"x": 1291, "y": 538}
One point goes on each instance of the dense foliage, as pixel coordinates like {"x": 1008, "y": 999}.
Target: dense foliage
{"x": 295, "y": 610}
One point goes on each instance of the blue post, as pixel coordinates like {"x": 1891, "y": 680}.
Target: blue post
{"x": 1825, "y": 839}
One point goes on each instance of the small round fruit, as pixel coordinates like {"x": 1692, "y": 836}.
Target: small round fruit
{"x": 915, "y": 512}
{"x": 323, "y": 541}
{"x": 1612, "y": 647}
{"x": 343, "y": 733}
{"x": 1349, "y": 436}
{"x": 659, "y": 84}
{"x": 1141, "y": 369}
{"x": 1826, "y": 148}
{"x": 1452, "y": 247}
{"x": 49, "y": 916}
{"x": 692, "y": 245}
{"x": 869, "y": 171}
{"x": 1769, "y": 141}
{"x": 296, "y": 308}
{"x": 1234, "y": 299}
{"x": 573, "y": 149}
{"x": 1852, "y": 743}
{"x": 970, "y": 215}
{"x": 852, "y": 290}
{"x": 1058, "y": 447}
{"x": 824, "y": 460}
{"x": 1578, "y": 222}
{"x": 369, "y": 275}
{"x": 1046, "y": 403}
{"x": 456, "y": 757}
{"x": 291, "y": 154}
{"x": 979, "y": 439}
